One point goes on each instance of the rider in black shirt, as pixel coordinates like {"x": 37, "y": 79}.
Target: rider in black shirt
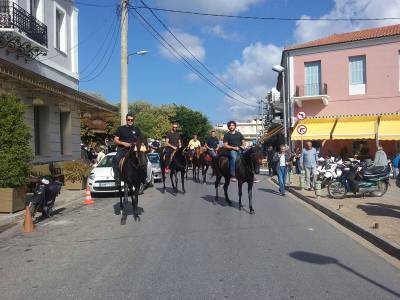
{"x": 124, "y": 137}
{"x": 172, "y": 142}
{"x": 233, "y": 142}
{"x": 212, "y": 144}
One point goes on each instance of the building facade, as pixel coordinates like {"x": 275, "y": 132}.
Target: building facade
{"x": 349, "y": 87}
{"x": 39, "y": 63}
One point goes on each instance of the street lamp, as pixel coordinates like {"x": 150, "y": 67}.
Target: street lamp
{"x": 281, "y": 70}
{"x": 141, "y": 53}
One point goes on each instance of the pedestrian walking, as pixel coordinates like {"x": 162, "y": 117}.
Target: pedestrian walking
{"x": 396, "y": 165}
{"x": 282, "y": 161}
{"x": 296, "y": 160}
{"x": 270, "y": 160}
{"x": 308, "y": 161}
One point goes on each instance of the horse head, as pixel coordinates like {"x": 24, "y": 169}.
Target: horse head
{"x": 254, "y": 156}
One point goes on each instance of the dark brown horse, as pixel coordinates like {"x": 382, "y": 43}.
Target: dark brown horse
{"x": 195, "y": 159}
{"x": 205, "y": 162}
{"x": 178, "y": 164}
{"x": 132, "y": 173}
{"x": 247, "y": 165}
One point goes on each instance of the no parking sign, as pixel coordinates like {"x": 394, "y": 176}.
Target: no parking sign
{"x": 301, "y": 129}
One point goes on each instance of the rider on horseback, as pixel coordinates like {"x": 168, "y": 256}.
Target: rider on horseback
{"x": 233, "y": 142}
{"x": 212, "y": 144}
{"x": 193, "y": 144}
{"x": 172, "y": 143}
{"x": 124, "y": 137}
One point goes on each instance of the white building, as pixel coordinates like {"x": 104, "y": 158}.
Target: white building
{"x": 39, "y": 63}
{"x": 250, "y": 129}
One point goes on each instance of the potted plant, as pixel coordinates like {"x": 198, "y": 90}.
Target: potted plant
{"x": 76, "y": 173}
{"x": 15, "y": 154}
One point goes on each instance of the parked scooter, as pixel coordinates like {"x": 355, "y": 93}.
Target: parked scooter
{"x": 357, "y": 178}
{"x": 327, "y": 170}
{"x": 44, "y": 197}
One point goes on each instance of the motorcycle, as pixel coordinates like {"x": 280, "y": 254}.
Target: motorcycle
{"x": 44, "y": 197}
{"x": 357, "y": 178}
{"x": 327, "y": 170}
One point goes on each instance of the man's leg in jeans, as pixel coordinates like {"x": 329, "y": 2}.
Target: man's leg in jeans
{"x": 232, "y": 162}
{"x": 307, "y": 174}
{"x": 118, "y": 156}
{"x": 314, "y": 175}
{"x": 280, "y": 179}
{"x": 212, "y": 153}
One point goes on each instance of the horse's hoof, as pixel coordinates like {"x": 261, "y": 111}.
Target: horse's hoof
{"x": 136, "y": 218}
{"x": 240, "y": 206}
{"x": 252, "y": 212}
{"x": 229, "y": 202}
{"x": 123, "y": 221}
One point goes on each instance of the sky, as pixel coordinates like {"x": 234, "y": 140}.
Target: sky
{"x": 238, "y": 52}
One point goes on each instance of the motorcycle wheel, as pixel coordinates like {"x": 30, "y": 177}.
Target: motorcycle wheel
{"x": 32, "y": 209}
{"x": 337, "y": 190}
{"x": 398, "y": 181}
{"x": 382, "y": 189}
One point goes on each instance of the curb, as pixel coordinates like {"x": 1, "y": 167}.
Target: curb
{"x": 390, "y": 248}
{"x": 13, "y": 219}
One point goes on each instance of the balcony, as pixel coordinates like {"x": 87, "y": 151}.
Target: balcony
{"x": 310, "y": 92}
{"x": 20, "y": 32}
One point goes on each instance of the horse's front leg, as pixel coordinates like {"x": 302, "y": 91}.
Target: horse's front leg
{"x": 171, "y": 176}
{"x": 216, "y": 184}
{"x": 124, "y": 213}
{"x": 135, "y": 201}
{"x": 176, "y": 181}
{"x": 163, "y": 178}
{"x": 226, "y": 185}
{"x": 250, "y": 192}
{"x": 240, "y": 185}
{"x": 183, "y": 181}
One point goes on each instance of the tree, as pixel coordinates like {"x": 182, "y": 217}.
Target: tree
{"x": 191, "y": 122}
{"x": 15, "y": 148}
{"x": 140, "y": 106}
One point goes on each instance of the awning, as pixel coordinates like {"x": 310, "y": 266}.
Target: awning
{"x": 273, "y": 132}
{"x": 355, "y": 128}
{"x": 389, "y": 128}
{"x": 317, "y": 129}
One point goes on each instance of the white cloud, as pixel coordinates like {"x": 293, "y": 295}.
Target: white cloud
{"x": 192, "y": 42}
{"x": 192, "y": 77}
{"x": 216, "y": 6}
{"x": 252, "y": 76}
{"x": 311, "y": 30}
{"x": 218, "y": 31}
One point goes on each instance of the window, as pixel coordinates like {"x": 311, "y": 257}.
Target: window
{"x": 41, "y": 124}
{"x": 65, "y": 133}
{"x": 312, "y": 77}
{"x": 34, "y": 7}
{"x": 357, "y": 75}
{"x": 60, "y": 30}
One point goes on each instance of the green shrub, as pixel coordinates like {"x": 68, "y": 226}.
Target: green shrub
{"x": 76, "y": 170}
{"x": 15, "y": 148}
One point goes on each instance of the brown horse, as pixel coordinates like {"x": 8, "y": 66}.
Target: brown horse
{"x": 195, "y": 159}
{"x": 205, "y": 162}
{"x": 247, "y": 165}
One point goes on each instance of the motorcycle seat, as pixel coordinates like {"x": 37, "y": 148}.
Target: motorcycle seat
{"x": 374, "y": 172}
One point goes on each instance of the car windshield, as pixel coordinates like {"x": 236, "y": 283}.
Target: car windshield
{"x": 106, "y": 162}
{"x": 154, "y": 159}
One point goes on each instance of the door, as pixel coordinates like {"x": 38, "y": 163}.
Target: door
{"x": 312, "y": 78}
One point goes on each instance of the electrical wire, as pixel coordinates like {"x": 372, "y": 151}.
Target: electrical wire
{"x": 93, "y": 4}
{"x": 153, "y": 31}
{"x": 261, "y": 18}
{"x": 108, "y": 60}
{"x": 111, "y": 46}
{"x": 192, "y": 55}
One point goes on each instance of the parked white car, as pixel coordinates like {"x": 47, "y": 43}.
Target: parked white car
{"x": 101, "y": 179}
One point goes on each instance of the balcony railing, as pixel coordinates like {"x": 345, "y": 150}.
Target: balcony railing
{"x": 14, "y": 16}
{"x": 311, "y": 90}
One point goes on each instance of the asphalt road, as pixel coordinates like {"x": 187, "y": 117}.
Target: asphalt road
{"x": 186, "y": 247}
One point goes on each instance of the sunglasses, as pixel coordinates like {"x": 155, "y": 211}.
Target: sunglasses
{"x": 175, "y": 127}
{"x": 129, "y": 120}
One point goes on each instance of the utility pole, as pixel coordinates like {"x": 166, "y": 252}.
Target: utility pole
{"x": 124, "y": 59}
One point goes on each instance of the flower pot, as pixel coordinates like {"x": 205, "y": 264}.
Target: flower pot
{"x": 76, "y": 185}
{"x": 12, "y": 199}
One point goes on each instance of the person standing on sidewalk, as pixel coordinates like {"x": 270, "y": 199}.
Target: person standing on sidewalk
{"x": 270, "y": 159}
{"x": 380, "y": 158}
{"x": 308, "y": 161}
{"x": 281, "y": 160}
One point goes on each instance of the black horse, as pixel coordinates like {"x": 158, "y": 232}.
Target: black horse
{"x": 195, "y": 159}
{"x": 247, "y": 165}
{"x": 205, "y": 162}
{"x": 132, "y": 173}
{"x": 178, "y": 164}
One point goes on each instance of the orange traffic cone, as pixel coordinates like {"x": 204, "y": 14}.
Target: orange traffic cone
{"x": 88, "y": 199}
{"x": 28, "y": 223}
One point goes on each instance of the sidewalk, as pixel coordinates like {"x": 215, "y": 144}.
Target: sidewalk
{"x": 65, "y": 197}
{"x": 377, "y": 219}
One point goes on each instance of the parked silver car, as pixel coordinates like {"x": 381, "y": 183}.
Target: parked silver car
{"x": 154, "y": 158}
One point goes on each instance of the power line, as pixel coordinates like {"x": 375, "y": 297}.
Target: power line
{"x": 93, "y": 4}
{"x": 108, "y": 60}
{"x": 113, "y": 26}
{"x": 110, "y": 45}
{"x": 183, "y": 59}
{"x": 195, "y": 58}
{"x": 261, "y": 18}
